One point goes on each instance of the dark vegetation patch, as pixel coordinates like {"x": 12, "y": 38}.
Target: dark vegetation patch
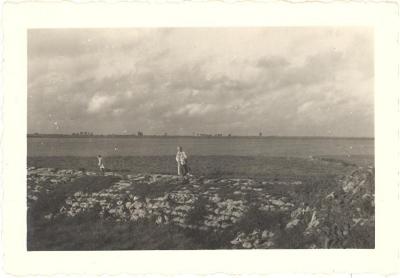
{"x": 86, "y": 233}
{"x": 198, "y": 212}
{"x": 257, "y": 219}
{"x": 153, "y": 190}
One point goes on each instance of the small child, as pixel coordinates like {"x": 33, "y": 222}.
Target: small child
{"x": 101, "y": 164}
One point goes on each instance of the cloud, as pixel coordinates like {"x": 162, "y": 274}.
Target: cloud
{"x": 99, "y": 102}
{"x": 271, "y": 63}
{"x": 195, "y": 109}
{"x": 284, "y": 81}
{"x": 304, "y": 107}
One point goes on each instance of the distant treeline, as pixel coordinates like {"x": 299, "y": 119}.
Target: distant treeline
{"x": 39, "y": 135}
{"x": 126, "y": 136}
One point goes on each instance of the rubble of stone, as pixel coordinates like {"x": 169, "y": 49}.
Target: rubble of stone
{"x": 256, "y": 239}
{"x": 344, "y": 214}
{"x": 353, "y": 200}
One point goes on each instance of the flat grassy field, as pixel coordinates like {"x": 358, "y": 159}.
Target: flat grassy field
{"x": 230, "y": 202}
{"x": 235, "y": 166}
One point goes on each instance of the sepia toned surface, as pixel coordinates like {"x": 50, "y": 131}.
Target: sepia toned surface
{"x": 227, "y": 96}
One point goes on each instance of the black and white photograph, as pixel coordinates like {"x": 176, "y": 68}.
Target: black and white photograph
{"x": 200, "y": 138}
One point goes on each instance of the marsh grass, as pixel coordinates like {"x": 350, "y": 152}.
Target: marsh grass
{"x": 86, "y": 233}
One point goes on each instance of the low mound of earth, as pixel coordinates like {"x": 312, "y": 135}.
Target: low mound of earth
{"x": 70, "y": 209}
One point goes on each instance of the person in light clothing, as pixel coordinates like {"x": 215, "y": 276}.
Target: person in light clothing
{"x": 101, "y": 164}
{"x": 181, "y": 159}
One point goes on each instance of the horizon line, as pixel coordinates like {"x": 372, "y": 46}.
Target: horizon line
{"x": 195, "y": 136}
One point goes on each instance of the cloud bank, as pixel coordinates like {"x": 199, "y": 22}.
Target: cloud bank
{"x": 280, "y": 81}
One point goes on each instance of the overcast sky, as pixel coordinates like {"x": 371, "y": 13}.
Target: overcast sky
{"x": 280, "y": 81}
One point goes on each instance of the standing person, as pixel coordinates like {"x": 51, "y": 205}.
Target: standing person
{"x": 181, "y": 159}
{"x": 101, "y": 164}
